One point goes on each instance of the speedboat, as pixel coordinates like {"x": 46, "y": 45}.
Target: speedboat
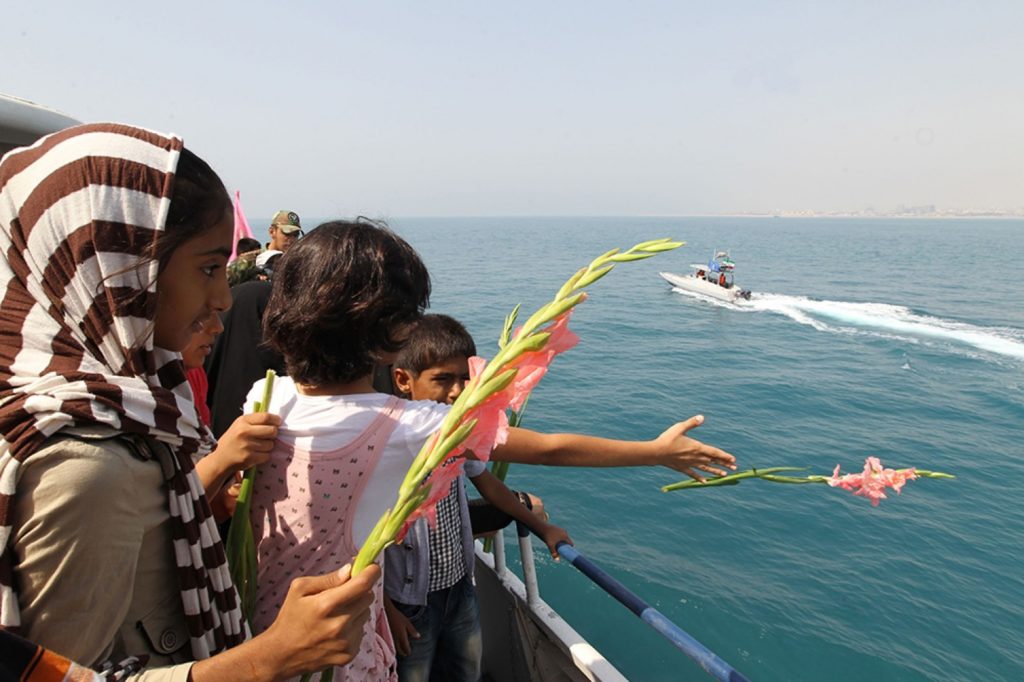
{"x": 713, "y": 279}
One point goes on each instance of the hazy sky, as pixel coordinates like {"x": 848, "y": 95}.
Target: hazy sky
{"x": 552, "y": 108}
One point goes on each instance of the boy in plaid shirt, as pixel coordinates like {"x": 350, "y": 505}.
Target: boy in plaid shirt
{"x": 430, "y": 599}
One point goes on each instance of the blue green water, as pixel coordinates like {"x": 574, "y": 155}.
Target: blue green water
{"x": 901, "y": 339}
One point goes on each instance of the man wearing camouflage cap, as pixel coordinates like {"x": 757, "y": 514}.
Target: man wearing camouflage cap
{"x": 285, "y": 228}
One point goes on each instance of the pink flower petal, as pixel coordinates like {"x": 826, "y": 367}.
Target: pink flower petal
{"x": 491, "y": 430}
{"x": 872, "y": 482}
{"x": 533, "y": 365}
{"x": 476, "y": 366}
{"x": 440, "y": 481}
{"x": 562, "y": 338}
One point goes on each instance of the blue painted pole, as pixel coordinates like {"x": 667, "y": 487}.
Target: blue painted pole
{"x": 705, "y": 658}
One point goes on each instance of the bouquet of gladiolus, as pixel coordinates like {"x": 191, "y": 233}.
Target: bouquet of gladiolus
{"x": 477, "y": 422}
{"x": 870, "y": 483}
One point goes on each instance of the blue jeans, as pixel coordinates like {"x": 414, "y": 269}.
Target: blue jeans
{"x": 450, "y": 647}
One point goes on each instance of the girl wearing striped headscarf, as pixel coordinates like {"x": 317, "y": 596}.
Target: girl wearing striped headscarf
{"x": 113, "y": 247}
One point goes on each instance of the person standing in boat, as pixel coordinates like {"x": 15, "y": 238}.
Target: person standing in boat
{"x": 113, "y": 247}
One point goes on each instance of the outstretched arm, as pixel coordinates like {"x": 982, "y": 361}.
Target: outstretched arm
{"x": 672, "y": 449}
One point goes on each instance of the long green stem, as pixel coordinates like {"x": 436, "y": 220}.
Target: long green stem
{"x": 730, "y": 479}
{"x": 772, "y": 476}
{"x": 241, "y": 544}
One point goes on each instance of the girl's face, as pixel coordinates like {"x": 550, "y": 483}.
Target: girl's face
{"x": 193, "y": 285}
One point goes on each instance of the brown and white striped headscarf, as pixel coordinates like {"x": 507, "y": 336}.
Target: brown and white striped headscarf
{"x": 80, "y": 213}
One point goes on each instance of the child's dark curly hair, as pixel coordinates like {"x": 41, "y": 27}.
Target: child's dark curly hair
{"x": 342, "y": 296}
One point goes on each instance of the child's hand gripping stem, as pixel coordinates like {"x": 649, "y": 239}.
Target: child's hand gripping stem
{"x": 241, "y": 545}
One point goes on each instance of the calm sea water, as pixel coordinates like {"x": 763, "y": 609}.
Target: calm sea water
{"x": 901, "y": 339}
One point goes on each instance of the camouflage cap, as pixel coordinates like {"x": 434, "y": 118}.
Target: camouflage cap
{"x": 287, "y": 221}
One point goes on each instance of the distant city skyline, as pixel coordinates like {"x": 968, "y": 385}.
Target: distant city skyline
{"x": 572, "y": 108}
{"x": 922, "y": 211}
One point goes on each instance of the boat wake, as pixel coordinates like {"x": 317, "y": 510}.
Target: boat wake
{"x": 884, "y": 320}
{"x": 893, "y": 321}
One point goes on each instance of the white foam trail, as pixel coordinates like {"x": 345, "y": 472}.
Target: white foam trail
{"x": 883, "y": 319}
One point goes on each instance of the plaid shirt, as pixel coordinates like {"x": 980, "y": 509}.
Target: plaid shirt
{"x": 447, "y": 563}
{"x": 411, "y": 570}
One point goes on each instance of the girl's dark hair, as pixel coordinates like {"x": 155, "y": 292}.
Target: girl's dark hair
{"x": 434, "y": 340}
{"x": 342, "y": 296}
{"x": 198, "y": 202}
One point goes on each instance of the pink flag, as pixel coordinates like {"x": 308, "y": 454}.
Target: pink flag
{"x": 242, "y": 228}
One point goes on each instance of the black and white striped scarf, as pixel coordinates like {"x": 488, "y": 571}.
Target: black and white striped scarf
{"x": 80, "y": 213}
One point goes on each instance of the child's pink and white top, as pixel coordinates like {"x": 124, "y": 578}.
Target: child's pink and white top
{"x": 335, "y": 469}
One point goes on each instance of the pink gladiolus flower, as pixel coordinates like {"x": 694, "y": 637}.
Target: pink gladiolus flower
{"x": 491, "y": 428}
{"x": 492, "y": 423}
{"x": 872, "y": 482}
{"x": 476, "y": 366}
{"x": 440, "y": 481}
{"x": 533, "y": 365}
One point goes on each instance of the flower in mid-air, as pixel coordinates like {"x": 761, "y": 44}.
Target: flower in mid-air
{"x": 872, "y": 482}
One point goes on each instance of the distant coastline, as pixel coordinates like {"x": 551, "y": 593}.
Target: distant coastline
{"x": 867, "y": 214}
{"x": 899, "y": 212}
